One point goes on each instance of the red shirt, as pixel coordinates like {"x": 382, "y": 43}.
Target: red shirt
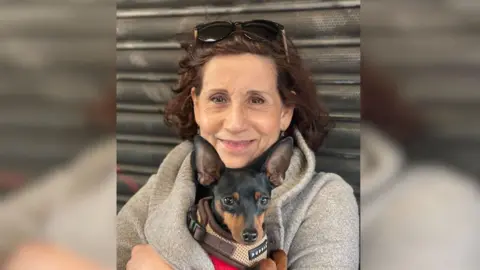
{"x": 220, "y": 264}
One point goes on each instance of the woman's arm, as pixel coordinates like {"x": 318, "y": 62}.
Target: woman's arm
{"x": 329, "y": 235}
{"x": 131, "y": 222}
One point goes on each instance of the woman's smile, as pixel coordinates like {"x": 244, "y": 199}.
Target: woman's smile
{"x": 236, "y": 146}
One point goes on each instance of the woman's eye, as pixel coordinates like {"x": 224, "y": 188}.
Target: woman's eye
{"x": 264, "y": 201}
{"x": 218, "y": 99}
{"x": 258, "y": 100}
{"x": 228, "y": 201}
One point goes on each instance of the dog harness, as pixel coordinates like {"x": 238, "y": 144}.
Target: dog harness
{"x": 218, "y": 243}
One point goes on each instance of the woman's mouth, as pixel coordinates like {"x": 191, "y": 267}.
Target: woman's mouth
{"x": 236, "y": 145}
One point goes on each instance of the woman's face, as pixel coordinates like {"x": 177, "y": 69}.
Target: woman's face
{"x": 239, "y": 109}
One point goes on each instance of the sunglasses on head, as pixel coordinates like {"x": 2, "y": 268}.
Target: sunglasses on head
{"x": 216, "y": 31}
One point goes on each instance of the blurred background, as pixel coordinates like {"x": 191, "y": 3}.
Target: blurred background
{"x": 327, "y": 34}
{"x": 54, "y": 64}
{"x": 57, "y": 111}
{"x": 420, "y": 139}
{"x": 429, "y": 52}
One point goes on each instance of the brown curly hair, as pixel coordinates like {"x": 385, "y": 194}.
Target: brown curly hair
{"x": 294, "y": 82}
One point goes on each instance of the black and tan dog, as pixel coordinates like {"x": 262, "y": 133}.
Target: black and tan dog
{"x": 229, "y": 224}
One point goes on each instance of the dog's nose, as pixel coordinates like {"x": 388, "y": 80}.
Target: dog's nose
{"x": 249, "y": 235}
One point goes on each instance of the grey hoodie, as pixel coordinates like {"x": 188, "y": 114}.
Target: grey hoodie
{"x": 313, "y": 216}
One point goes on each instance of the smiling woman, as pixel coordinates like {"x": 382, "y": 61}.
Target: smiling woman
{"x": 243, "y": 87}
{"x": 239, "y": 109}
{"x": 244, "y": 60}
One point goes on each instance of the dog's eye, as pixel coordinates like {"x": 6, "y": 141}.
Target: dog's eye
{"x": 228, "y": 201}
{"x": 264, "y": 201}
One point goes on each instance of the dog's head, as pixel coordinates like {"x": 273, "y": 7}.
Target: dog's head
{"x": 241, "y": 196}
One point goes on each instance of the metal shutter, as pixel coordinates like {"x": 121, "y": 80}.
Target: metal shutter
{"x": 326, "y": 32}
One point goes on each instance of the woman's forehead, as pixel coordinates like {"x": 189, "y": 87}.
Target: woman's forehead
{"x": 246, "y": 71}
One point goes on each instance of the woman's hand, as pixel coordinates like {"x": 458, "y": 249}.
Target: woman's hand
{"x": 144, "y": 257}
{"x": 40, "y": 256}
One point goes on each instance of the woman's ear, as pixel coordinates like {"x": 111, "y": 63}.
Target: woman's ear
{"x": 286, "y": 117}
{"x": 193, "y": 96}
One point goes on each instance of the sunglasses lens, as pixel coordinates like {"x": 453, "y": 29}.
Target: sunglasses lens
{"x": 214, "y": 32}
{"x": 262, "y": 30}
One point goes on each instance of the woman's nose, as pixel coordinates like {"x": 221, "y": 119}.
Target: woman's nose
{"x": 236, "y": 119}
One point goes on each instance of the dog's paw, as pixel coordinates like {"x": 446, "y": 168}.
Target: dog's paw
{"x": 280, "y": 258}
{"x": 265, "y": 264}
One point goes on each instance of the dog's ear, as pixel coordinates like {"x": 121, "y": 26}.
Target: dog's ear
{"x": 277, "y": 163}
{"x": 208, "y": 164}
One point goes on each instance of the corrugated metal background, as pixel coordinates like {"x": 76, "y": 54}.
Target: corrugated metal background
{"x": 326, "y": 32}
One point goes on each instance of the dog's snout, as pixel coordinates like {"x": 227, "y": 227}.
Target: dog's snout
{"x": 249, "y": 235}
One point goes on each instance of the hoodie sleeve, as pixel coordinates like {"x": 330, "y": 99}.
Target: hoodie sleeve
{"x": 131, "y": 221}
{"x": 328, "y": 237}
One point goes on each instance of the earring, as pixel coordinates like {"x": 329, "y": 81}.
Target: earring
{"x": 282, "y": 133}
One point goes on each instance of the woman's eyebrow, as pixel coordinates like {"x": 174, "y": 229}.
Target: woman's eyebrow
{"x": 250, "y": 92}
{"x": 217, "y": 90}
{"x": 258, "y": 92}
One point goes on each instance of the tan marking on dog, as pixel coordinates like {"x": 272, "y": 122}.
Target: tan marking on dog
{"x": 257, "y": 195}
{"x": 258, "y": 225}
{"x": 236, "y": 196}
{"x": 235, "y": 224}
{"x": 218, "y": 207}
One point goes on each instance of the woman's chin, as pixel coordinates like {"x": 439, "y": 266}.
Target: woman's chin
{"x": 234, "y": 158}
{"x": 235, "y": 162}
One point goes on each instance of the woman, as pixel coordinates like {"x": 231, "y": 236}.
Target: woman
{"x": 242, "y": 86}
